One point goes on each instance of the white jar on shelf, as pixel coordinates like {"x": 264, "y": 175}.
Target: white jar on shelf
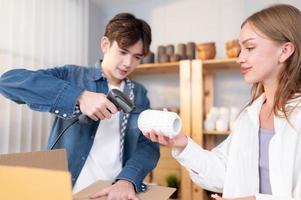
{"x": 211, "y": 117}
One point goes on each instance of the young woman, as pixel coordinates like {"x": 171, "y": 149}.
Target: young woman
{"x": 261, "y": 159}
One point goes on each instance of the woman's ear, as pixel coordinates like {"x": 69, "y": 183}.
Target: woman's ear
{"x": 105, "y": 44}
{"x": 287, "y": 50}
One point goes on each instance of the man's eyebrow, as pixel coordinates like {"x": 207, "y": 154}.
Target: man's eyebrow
{"x": 136, "y": 54}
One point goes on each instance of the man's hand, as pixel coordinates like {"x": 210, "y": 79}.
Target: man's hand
{"x": 121, "y": 190}
{"x": 96, "y": 106}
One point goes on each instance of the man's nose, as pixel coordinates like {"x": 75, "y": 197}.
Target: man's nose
{"x": 127, "y": 61}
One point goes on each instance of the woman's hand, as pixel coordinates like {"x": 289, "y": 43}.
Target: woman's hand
{"x": 179, "y": 141}
{"x": 216, "y": 197}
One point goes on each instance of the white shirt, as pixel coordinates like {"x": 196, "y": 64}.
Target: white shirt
{"x": 232, "y": 167}
{"x": 103, "y": 161}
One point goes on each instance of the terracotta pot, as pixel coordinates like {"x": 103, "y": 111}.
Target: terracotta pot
{"x": 206, "y": 51}
{"x": 233, "y": 52}
{"x": 232, "y": 44}
{"x": 206, "y": 55}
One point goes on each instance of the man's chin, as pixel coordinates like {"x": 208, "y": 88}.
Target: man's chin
{"x": 122, "y": 76}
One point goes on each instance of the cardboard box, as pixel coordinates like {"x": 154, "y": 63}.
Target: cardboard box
{"x": 35, "y": 176}
{"x": 44, "y": 175}
{"x": 154, "y": 192}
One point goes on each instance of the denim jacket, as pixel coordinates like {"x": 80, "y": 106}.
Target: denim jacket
{"x": 56, "y": 90}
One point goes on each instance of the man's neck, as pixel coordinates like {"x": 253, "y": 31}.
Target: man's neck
{"x": 113, "y": 81}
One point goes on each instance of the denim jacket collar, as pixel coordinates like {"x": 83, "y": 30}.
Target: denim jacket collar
{"x": 97, "y": 73}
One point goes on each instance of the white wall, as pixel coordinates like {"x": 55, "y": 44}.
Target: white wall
{"x": 175, "y": 21}
{"x": 37, "y": 34}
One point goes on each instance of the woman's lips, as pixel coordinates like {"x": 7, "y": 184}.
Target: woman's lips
{"x": 245, "y": 70}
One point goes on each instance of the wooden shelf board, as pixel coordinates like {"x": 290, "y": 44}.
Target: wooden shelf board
{"x": 219, "y": 64}
{"x": 216, "y": 132}
{"x": 157, "y": 68}
{"x": 158, "y": 65}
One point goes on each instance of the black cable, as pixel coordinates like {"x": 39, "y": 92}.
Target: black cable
{"x": 60, "y": 135}
{"x": 117, "y": 97}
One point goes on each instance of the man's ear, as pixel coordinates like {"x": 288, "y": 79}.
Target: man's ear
{"x": 105, "y": 44}
{"x": 287, "y": 50}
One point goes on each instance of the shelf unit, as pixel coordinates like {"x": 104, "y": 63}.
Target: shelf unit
{"x": 183, "y": 69}
{"x": 201, "y": 102}
{"x": 196, "y": 98}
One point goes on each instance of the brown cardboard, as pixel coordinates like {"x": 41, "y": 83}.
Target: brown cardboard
{"x": 55, "y": 159}
{"x": 27, "y": 176}
{"x": 20, "y": 178}
{"x": 153, "y": 192}
{"x": 34, "y": 184}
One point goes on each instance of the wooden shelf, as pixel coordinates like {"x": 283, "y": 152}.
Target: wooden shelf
{"x": 205, "y": 132}
{"x": 157, "y": 68}
{"x": 220, "y": 64}
{"x": 195, "y": 77}
{"x": 173, "y": 67}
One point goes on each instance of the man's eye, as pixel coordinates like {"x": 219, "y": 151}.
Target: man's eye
{"x": 123, "y": 52}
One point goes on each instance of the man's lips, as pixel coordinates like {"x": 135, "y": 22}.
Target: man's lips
{"x": 245, "y": 70}
{"x": 123, "y": 71}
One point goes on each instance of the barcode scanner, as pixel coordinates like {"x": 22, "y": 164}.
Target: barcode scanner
{"x": 117, "y": 97}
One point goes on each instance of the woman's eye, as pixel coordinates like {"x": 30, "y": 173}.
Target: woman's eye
{"x": 250, "y": 48}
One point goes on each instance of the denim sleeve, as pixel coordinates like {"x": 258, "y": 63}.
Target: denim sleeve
{"x": 143, "y": 160}
{"x": 42, "y": 90}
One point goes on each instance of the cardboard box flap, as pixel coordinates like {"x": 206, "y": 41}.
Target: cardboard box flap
{"x": 153, "y": 192}
{"x": 34, "y": 184}
{"x": 55, "y": 159}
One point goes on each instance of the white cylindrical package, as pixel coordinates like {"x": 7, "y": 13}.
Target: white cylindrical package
{"x": 169, "y": 123}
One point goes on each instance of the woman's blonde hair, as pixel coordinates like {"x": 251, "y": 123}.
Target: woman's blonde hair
{"x": 281, "y": 23}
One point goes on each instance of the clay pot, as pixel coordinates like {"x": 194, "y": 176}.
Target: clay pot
{"x": 232, "y": 48}
{"x": 233, "y": 53}
{"x": 190, "y": 50}
{"x": 174, "y": 58}
{"x": 170, "y": 50}
{"x": 231, "y": 44}
{"x": 206, "y": 51}
{"x": 163, "y": 58}
{"x": 149, "y": 58}
{"x": 181, "y": 51}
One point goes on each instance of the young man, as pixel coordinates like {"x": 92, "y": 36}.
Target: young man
{"x": 111, "y": 147}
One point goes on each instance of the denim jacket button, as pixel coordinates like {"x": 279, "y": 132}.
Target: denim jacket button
{"x": 64, "y": 115}
{"x": 56, "y": 111}
{"x": 83, "y": 158}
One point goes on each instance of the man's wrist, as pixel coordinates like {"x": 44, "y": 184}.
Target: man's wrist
{"x": 124, "y": 182}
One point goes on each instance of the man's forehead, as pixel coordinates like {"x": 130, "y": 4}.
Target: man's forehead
{"x": 136, "y": 48}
